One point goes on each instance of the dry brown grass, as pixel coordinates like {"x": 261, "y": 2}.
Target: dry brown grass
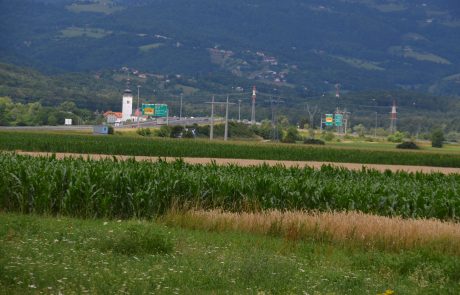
{"x": 347, "y": 228}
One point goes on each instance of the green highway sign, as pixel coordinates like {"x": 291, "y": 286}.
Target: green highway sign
{"x": 155, "y": 110}
{"x": 338, "y": 120}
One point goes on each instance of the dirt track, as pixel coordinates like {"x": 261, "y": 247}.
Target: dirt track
{"x": 245, "y": 162}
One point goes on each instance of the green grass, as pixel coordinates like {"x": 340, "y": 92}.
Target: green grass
{"x": 119, "y": 145}
{"x": 127, "y": 189}
{"x": 52, "y": 255}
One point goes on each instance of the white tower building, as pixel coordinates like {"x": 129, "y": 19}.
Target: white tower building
{"x": 127, "y": 110}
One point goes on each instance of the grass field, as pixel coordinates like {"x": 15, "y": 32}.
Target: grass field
{"x": 62, "y": 255}
{"x": 125, "y": 145}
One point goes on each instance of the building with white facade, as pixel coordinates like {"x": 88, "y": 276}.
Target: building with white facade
{"x": 127, "y": 109}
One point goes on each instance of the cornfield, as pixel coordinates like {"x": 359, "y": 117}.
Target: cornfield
{"x": 117, "y": 145}
{"x": 125, "y": 189}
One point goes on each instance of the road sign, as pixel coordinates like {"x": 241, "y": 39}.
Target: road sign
{"x": 338, "y": 120}
{"x": 155, "y": 110}
{"x": 329, "y": 120}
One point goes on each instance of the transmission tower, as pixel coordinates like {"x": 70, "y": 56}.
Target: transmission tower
{"x": 253, "y": 111}
{"x": 393, "y": 118}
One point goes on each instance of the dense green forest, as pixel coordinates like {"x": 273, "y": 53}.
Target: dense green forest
{"x": 315, "y": 44}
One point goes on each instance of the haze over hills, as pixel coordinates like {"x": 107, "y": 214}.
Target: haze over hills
{"x": 361, "y": 44}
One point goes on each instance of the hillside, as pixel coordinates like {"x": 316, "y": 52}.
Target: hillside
{"x": 312, "y": 45}
{"x": 102, "y": 90}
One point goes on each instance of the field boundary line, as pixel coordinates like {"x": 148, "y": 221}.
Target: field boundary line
{"x": 249, "y": 162}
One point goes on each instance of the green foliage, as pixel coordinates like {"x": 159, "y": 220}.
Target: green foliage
{"x": 396, "y": 137}
{"x": 360, "y": 129}
{"x": 235, "y": 130}
{"x": 111, "y": 130}
{"x": 129, "y": 189}
{"x": 33, "y": 114}
{"x": 313, "y": 141}
{"x": 264, "y": 130}
{"x": 177, "y": 131}
{"x": 408, "y": 145}
{"x": 437, "y": 138}
{"x": 453, "y": 136}
{"x": 164, "y": 131}
{"x": 291, "y": 136}
{"x": 144, "y": 131}
{"x": 189, "y": 133}
{"x": 328, "y": 136}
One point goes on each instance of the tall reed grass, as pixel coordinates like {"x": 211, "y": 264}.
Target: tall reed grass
{"x": 347, "y": 228}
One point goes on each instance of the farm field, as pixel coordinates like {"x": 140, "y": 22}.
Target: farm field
{"x": 77, "y": 225}
{"x": 110, "y": 188}
{"x": 64, "y": 255}
{"x": 125, "y": 145}
{"x": 250, "y": 162}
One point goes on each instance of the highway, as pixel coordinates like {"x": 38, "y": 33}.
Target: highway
{"x": 172, "y": 121}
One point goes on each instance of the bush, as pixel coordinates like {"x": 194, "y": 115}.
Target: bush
{"x": 177, "y": 131}
{"x": 111, "y": 130}
{"x": 292, "y": 135}
{"x": 409, "y": 145}
{"x": 189, "y": 133}
{"x": 164, "y": 131}
{"x": 144, "y": 131}
{"x": 313, "y": 141}
{"x": 453, "y": 136}
{"x": 328, "y": 136}
{"x": 437, "y": 138}
{"x": 396, "y": 137}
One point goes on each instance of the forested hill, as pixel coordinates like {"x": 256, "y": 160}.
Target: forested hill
{"x": 360, "y": 44}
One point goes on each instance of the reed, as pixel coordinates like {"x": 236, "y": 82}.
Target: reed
{"x": 347, "y": 228}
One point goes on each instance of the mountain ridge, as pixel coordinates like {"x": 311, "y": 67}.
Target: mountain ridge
{"x": 360, "y": 44}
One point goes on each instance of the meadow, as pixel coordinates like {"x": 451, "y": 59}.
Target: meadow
{"x": 71, "y": 256}
{"x": 126, "y": 145}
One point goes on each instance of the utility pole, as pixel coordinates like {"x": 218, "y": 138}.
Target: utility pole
{"x": 239, "y": 110}
{"x": 375, "y": 129}
{"x": 226, "y": 121}
{"x": 273, "y": 117}
{"x": 311, "y": 114}
{"x": 180, "y": 111}
{"x": 211, "y": 132}
{"x": 227, "y": 103}
{"x": 138, "y": 111}
{"x": 253, "y": 110}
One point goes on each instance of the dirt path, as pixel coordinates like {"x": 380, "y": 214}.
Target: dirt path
{"x": 246, "y": 162}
